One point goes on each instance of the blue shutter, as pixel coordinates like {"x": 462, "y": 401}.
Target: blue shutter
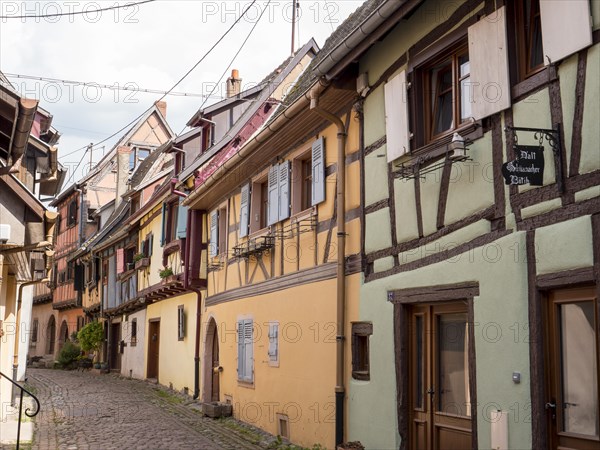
{"x": 241, "y": 350}
{"x": 318, "y": 172}
{"x": 248, "y": 351}
{"x": 214, "y": 233}
{"x": 284, "y": 190}
{"x": 181, "y": 220}
{"x": 273, "y": 193}
{"x": 163, "y": 231}
{"x": 244, "y": 210}
{"x": 150, "y": 244}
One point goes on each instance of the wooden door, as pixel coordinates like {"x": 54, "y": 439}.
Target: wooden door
{"x": 572, "y": 383}
{"x": 439, "y": 385}
{"x": 115, "y": 346}
{"x": 153, "y": 347}
{"x": 215, "y": 368}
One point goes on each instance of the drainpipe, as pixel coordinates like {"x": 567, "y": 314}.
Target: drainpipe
{"x": 186, "y": 284}
{"x": 341, "y": 260}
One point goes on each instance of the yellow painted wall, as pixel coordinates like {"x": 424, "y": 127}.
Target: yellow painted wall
{"x": 302, "y": 386}
{"x": 176, "y": 358}
{"x": 149, "y": 276}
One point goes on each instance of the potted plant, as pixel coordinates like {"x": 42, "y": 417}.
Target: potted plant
{"x": 166, "y": 274}
{"x": 141, "y": 260}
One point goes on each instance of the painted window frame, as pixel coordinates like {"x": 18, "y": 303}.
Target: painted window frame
{"x": 180, "y": 323}
{"x": 361, "y": 358}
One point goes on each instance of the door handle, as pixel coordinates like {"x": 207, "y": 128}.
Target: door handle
{"x": 551, "y": 406}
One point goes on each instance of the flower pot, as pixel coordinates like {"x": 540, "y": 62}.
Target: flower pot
{"x": 142, "y": 263}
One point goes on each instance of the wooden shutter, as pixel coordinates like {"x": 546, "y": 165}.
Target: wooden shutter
{"x": 163, "y": 229}
{"x": 150, "y": 239}
{"x": 489, "y": 84}
{"x": 79, "y": 277}
{"x": 182, "y": 213}
{"x": 566, "y": 27}
{"x": 248, "y": 351}
{"x": 284, "y": 190}
{"x": 318, "y": 172}
{"x": 120, "y": 261}
{"x": 214, "y": 233}
{"x": 241, "y": 350}
{"x": 244, "y": 210}
{"x": 273, "y": 192}
{"x": 396, "y": 117}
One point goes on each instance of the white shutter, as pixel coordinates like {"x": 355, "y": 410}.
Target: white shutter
{"x": 248, "y": 350}
{"x": 241, "y": 349}
{"x": 566, "y": 27}
{"x": 284, "y": 190}
{"x": 318, "y": 172}
{"x": 488, "y": 90}
{"x": 214, "y": 233}
{"x": 244, "y": 210}
{"x": 396, "y": 117}
{"x": 273, "y": 193}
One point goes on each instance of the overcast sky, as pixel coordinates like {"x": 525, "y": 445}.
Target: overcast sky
{"x": 149, "y": 46}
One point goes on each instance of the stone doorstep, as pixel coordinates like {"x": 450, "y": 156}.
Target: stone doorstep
{"x": 8, "y": 431}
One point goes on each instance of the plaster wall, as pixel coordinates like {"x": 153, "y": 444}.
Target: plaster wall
{"x": 133, "y": 357}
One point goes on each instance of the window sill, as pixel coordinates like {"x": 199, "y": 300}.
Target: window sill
{"x": 361, "y": 376}
{"x": 246, "y": 384}
{"x": 303, "y": 215}
{"x": 172, "y": 247}
{"x": 434, "y": 151}
{"x": 260, "y": 233}
{"x": 533, "y": 83}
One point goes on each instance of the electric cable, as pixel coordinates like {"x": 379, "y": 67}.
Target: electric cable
{"x": 178, "y": 82}
{"x": 76, "y": 13}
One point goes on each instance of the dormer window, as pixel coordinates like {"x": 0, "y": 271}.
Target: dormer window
{"x": 136, "y": 156}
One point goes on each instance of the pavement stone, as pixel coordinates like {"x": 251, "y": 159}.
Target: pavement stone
{"x": 82, "y": 410}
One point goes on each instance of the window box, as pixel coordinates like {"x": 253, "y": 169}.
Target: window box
{"x": 142, "y": 263}
{"x": 254, "y": 246}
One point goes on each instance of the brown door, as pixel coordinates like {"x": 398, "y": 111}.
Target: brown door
{"x": 440, "y": 407}
{"x": 115, "y": 346}
{"x": 572, "y": 369}
{"x": 153, "y": 347}
{"x": 215, "y": 367}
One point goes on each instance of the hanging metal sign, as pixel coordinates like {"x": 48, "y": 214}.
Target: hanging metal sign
{"x": 528, "y": 168}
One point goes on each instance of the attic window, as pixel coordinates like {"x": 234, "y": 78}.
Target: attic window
{"x": 136, "y": 156}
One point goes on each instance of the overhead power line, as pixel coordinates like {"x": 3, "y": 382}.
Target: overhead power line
{"x": 170, "y": 90}
{"x": 76, "y": 13}
{"x": 114, "y": 87}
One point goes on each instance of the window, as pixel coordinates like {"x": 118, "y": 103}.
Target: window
{"x": 136, "y": 156}
{"x": 360, "y": 350}
{"x": 530, "y": 53}
{"x": 170, "y": 212}
{"x": 133, "y": 325}
{"x": 72, "y": 213}
{"x": 105, "y": 271}
{"x": 70, "y": 270}
{"x": 245, "y": 350}
{"x": 447, "y": 93}
{"x": 180, "y": 323}
{"x": 274, "y": 343}
{"x": 259, "y": 201}
{"x": 34, "y": 331}
{"x": 129, "y": 254}
{"x": 80, "y": 322}
{"x": 218, "y": 232}
{"x": 147, "y": 244}
{"x": 302, "y": 183}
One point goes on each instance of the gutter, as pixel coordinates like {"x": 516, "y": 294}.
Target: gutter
{"x": 341, "y": 263}
{"x": 361, "y": 35}
{"x": 253, "y": 144}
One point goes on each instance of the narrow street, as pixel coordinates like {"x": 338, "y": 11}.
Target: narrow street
{"x": 82, "y": 410}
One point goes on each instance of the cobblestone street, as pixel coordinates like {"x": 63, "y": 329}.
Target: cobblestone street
{"x": 82, "y": 410}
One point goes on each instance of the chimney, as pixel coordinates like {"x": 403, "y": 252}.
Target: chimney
{"x": 162, "y": 107}
{"x": 234, "y": 84}
{"x": 122, "y": 173}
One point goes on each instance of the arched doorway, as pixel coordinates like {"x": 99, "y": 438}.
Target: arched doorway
{"x": 51, "y": 336}
{"x": 63, "y": 336}
{"x": 210, "y": 389}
